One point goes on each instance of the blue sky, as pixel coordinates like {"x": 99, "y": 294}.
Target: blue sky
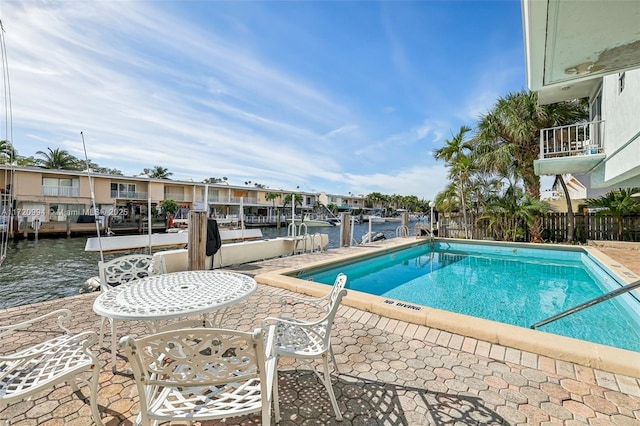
{"x": 334, "y": 96}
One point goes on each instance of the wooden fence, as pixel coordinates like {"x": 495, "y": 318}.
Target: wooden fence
{"x": 587, "y": 227}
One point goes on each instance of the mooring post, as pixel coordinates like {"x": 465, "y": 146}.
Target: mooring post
{"x": 405, "y": 219}
{"x": 345, "y": 229}
{"x": 25, "y": 227}
{"x": 197, "y": 240}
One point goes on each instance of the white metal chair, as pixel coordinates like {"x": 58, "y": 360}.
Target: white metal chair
{"x": 198, "y": 374}
{"x": 308, "y": 341}
{"x": 119, "y": 271}
{"x": 323, "y": 304}
{"x": 63, "y": 358}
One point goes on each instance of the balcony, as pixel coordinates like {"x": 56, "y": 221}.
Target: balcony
{"x": 576, "y": 148}
{"x": 129, "y": 195}
{"x": 60, "y": 191}
{"x": 178, "y": 196}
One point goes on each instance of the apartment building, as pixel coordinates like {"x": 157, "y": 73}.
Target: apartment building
{"x": 587, "y": 50}
{"x": 52, "y": 195}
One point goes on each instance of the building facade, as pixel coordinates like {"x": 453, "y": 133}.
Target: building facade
{"x": 35, "y": 196}
{"x": 587, "y": 50}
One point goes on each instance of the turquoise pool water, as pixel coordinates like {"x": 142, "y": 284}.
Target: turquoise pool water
{"x": 509, "y": 284}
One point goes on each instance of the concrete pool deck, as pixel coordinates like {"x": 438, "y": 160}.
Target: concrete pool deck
{"x": 392, "y": 372}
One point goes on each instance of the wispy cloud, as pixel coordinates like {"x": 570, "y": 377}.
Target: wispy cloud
{"x": 154, "y": 83}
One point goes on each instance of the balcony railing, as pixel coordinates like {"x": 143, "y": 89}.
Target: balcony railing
{"x": 60, "y": 191}
{"x": 178, "y": 197}
{"x": 130, "y": 195}
{"x": 575, "y": 139}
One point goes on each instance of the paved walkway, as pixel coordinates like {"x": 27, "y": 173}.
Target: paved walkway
{"x": 391, "y": 373}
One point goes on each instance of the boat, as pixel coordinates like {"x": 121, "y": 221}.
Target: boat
{"x": 334, "y": 221}
{"x": 312, "y": 223}
{"x": 371, "y": 237}
{"x": 393, "y": 219}
{"x": 167, "y": 240}
{"x": 238, "y": 246}
{"x": 376, "y": 219}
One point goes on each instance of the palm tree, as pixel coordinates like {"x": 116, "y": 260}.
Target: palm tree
{"x": 26, "y": 161}
{"x": 455, "y": 154}
{"x": 271, "y": 196}
{"x": 508, "y": 137}
{"x": 571, "y": 220}
{"x": 7, "y": 152}
{"x": 375, "y": 199}
{"x": 158, "y": 172}
{"x": 617, "y": 203}
{"x": 58, "y": 159}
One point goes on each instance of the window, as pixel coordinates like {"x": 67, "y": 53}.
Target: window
{"x": 123, "y": 190}
{"x": 60, "y": 187}
{"x": 621, "y": 82}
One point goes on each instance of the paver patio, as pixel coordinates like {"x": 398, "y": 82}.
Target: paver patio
{"x": 391, "y": 373}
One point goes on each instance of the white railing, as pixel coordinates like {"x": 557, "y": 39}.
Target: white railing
{"x": 131, "y": 195}
{"x": 575, "y": 139}
{"x": 60, "y": 191}
{"x": 177, "y": 196}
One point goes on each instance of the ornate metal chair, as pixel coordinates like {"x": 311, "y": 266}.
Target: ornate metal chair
{"x": 197, "y": 374}
{"x": 323, "y": 304}
{"x": 63, "y": 358}
{"x": 119, "y": 271}
{"x": 308, "y": 341}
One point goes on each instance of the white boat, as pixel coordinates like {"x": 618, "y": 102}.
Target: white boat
{"x": 247, "y": 251}
{"x": 393, "y": 219}
{"x": 373, "y": 218}
{"x": 312, "y": 223}
{"x": 163, "y": 240}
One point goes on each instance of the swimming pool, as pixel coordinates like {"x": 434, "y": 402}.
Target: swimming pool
{"x": 505, "y": 283}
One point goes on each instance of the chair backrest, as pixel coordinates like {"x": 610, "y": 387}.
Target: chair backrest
{"x": 124, "y": 269}
{"x": 338, "y": 286}
{"x": 326, "y": 322}
{"x": 195, "y": 359}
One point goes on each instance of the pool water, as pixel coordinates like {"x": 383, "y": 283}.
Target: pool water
{"x": 513, "y": 285}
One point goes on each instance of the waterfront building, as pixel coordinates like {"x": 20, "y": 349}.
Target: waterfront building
{"x": 60, "y": 201}
{"x": 587, "y": 50}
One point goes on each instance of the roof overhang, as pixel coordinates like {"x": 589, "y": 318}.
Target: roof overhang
{"x": 571, "y": 44}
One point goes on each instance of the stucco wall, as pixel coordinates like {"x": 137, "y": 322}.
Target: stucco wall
{"x": 622, "y": 126}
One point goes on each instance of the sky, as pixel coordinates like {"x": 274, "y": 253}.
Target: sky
{"x": 325, "y": 96}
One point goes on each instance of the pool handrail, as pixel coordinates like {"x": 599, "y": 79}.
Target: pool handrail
{"x": 627, "y": 288}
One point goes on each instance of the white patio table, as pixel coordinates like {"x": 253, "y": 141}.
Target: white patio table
{"x": 173, "y": 295}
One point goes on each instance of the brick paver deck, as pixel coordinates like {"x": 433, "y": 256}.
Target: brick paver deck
{"x": 391, "y": 373}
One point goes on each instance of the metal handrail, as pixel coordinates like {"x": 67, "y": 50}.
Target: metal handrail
{"x": 588, "y": 303}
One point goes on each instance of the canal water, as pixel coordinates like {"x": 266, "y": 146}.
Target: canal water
{"x": 52, "y": 268}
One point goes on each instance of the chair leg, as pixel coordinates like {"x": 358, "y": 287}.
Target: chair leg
{"x": 93, "y": 395}
{"x": 114, "y": 345}
{"x": 101, "y": 332}
{"x": 275, "y": 396}
{"x": 329, "y": 386}
{"x": 333, "y": 359}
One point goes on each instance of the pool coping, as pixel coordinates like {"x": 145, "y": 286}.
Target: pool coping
{"x": 594, "y": 355}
